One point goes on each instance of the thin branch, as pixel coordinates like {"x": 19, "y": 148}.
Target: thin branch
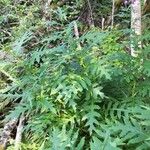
{"x": 5, "y": 32}
{"x": 8, "y": 76}
{"x": 76, "y": 32}
{"x": 19, "y": 133}
{"x": 103, "y": 23}
{"x": 46, "y": 8}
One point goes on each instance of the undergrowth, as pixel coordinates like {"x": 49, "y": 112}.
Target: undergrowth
{"x": 85, "y": 93}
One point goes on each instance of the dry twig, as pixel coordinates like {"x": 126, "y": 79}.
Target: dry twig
{"x": 19, "y": 132}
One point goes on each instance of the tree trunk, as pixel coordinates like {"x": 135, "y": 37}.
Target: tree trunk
{"x": 135, "y": 25}
{"x": 112, "y": 15}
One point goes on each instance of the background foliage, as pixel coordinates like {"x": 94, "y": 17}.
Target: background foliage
{"x": 74, "y": 97}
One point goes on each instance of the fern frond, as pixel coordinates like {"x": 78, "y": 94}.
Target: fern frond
{"x": 92, "y": 117}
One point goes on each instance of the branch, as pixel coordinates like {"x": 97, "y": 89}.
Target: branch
{"x": 7, "y": 76}
{"x": 91, "y": 14}
{"x": 19, "y": 133}
{"x": 46, "y": 9}
{"x": 5, "y": 136}
{"x": 76, "y": 32}
{"x": 103, "y": 23}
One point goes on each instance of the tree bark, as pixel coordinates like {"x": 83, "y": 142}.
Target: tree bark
{"x": 76, "y": 32}
{"x": 135, "y": 25}
{"x": 146, "y": 8}
{"x": 5, "y": 136}
{"x": 46, "y": 10}
{"x": 112, "y": 15}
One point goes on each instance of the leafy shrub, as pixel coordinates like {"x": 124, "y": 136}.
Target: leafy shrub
{"x": 85, "y": 93}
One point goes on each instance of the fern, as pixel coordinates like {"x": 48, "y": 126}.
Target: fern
{"x": 107, "y": 144}
{"x": 18, "y": 44}
{"x": 96, "y": 97}
{"x": 92, "y": 117}
{"x": 65, "y": 139}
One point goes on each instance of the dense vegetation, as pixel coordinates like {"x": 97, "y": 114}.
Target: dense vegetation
{"x": 74, "y": 92}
